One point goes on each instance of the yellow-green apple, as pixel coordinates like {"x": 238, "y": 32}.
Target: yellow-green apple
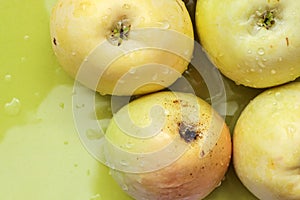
{"x": 266, "y": 144}
{"x": 168, "y": 145}
{"x": 253, "y": 42}
{"x": 144, "y": 45}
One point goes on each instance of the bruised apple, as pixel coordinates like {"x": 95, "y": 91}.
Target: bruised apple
{"x": 122, "y": 47}
{"x": 168, "y": 146}
{"x": 266, "y": 144}
{"x": 253, "y": 42}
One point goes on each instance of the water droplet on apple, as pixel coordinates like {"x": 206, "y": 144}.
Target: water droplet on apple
{"x": 93, "y": 134}
{"x": 278, "y": 95}
{"x": 125, "y": 187}
{"x": 124, "y": 163}
{"x": 132, "y": 71}
{"x": 139, "y": 179}
{"x": 280, "y": 59}
{"x": 142, "y": 19}
{"x": 126, "y": 6}
{"x": 164, "y": 24}
{"x": 291, "y": 130}
{"x": 166, "y": 71}
{"x": 13, "y": 107}
{"x": 154, "y": 77}
{"x": 96, "y": 197}
{"x": 261, "y": 64}
{"x": 249, "y": 51}
{"x": 273, "y": 71}
{"x": 129, "y": 145}
{"x": 73, "y": 53}
{"x": 261, "y": 51}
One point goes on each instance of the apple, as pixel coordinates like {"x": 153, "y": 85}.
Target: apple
{"x": 255, "y": 43}
{"x": 266, "y": 144}
{"x": 122, "y": 47}
{"x": 168, "y": 145}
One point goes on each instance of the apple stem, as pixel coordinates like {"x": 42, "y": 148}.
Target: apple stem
{"x": 119, "y": 32}
{"x": 266, "y": 19}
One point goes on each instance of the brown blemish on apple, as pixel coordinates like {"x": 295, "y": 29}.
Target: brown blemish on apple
{"x": 54, "y": 41}
{"x": 287, "y": 41}
{"x": 187, "y": 132}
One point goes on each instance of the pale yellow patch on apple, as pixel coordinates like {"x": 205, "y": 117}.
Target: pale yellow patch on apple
{"x": 266, "y": 144}
{"x": 243, "y": 48}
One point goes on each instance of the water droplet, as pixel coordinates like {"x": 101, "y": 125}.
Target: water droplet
{"x": 166, "y": 71}
{"x": 73, "y": 53}
{"x": 13, "y": 107}
{"x": 125, "y": 187}
{"x": 132, "y": 71}
{"x": 126, "y": 6}
{"x": 96, "y": 197}
{"x": 252, "y": 70}
{"x": 273, "y": 71}
{"x": 260, "y": 51}
{"x": 290, "y": 129}
{"x": 139, "y": 179}
{"x": 164, "y": 24}
{"x": 124, "y": 163}
{"x": 280, "y": 59}
{"x": 249, "y": 51}
{"x": 120, "y": 81}
{"x": 154, "y": 77}
{"x": 277, "y": 95}
{"x": 23, "y": 59}
{"x": 88, "y": 172}
{"x": 167, "y": 112}
{"x": 7, "y": 77}
{"x": 62, "y": 105}
{"x": 93, "y": 134}
{"x": 129, "y": 145}
{"x": 26, "y": 37}
{"x": 261, "y": 64}
{"x": 78, "y": 106}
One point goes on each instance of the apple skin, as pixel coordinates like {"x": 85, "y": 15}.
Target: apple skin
{"x": 243, "y": 51}
{"x": 266, "y": 144}
{"x": 194, "y": 174}
{"x": 78, "y": 27}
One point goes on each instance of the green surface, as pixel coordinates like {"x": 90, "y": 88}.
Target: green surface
{"x": 40, "y": 152}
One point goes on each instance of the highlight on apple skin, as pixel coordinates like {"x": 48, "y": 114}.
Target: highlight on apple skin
{"x": 184, "y": 154}
{"x": 253, "y": 42}
{"x": 266, "y": 144}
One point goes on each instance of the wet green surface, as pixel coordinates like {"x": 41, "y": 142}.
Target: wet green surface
{"x": 40, "y": 152}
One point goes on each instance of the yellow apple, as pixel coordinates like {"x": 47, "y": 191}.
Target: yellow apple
{"x": 168, "y": 146}
{"x": 253, "y": 42}
{"x": 122, "y": 47}
{"x": 266, "y": 144}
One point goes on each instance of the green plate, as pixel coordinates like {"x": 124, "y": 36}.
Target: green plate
{"x": 41, "y": 156}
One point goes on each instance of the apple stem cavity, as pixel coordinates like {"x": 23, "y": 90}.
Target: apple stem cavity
{"x": 119, "y": 32}
{"x": 266, "y": 19}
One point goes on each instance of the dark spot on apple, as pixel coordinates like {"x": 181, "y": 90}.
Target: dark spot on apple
{"x": 54, "y": 41}
{"x": 176, "y": 101}
{"x": 187, "y": 133}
